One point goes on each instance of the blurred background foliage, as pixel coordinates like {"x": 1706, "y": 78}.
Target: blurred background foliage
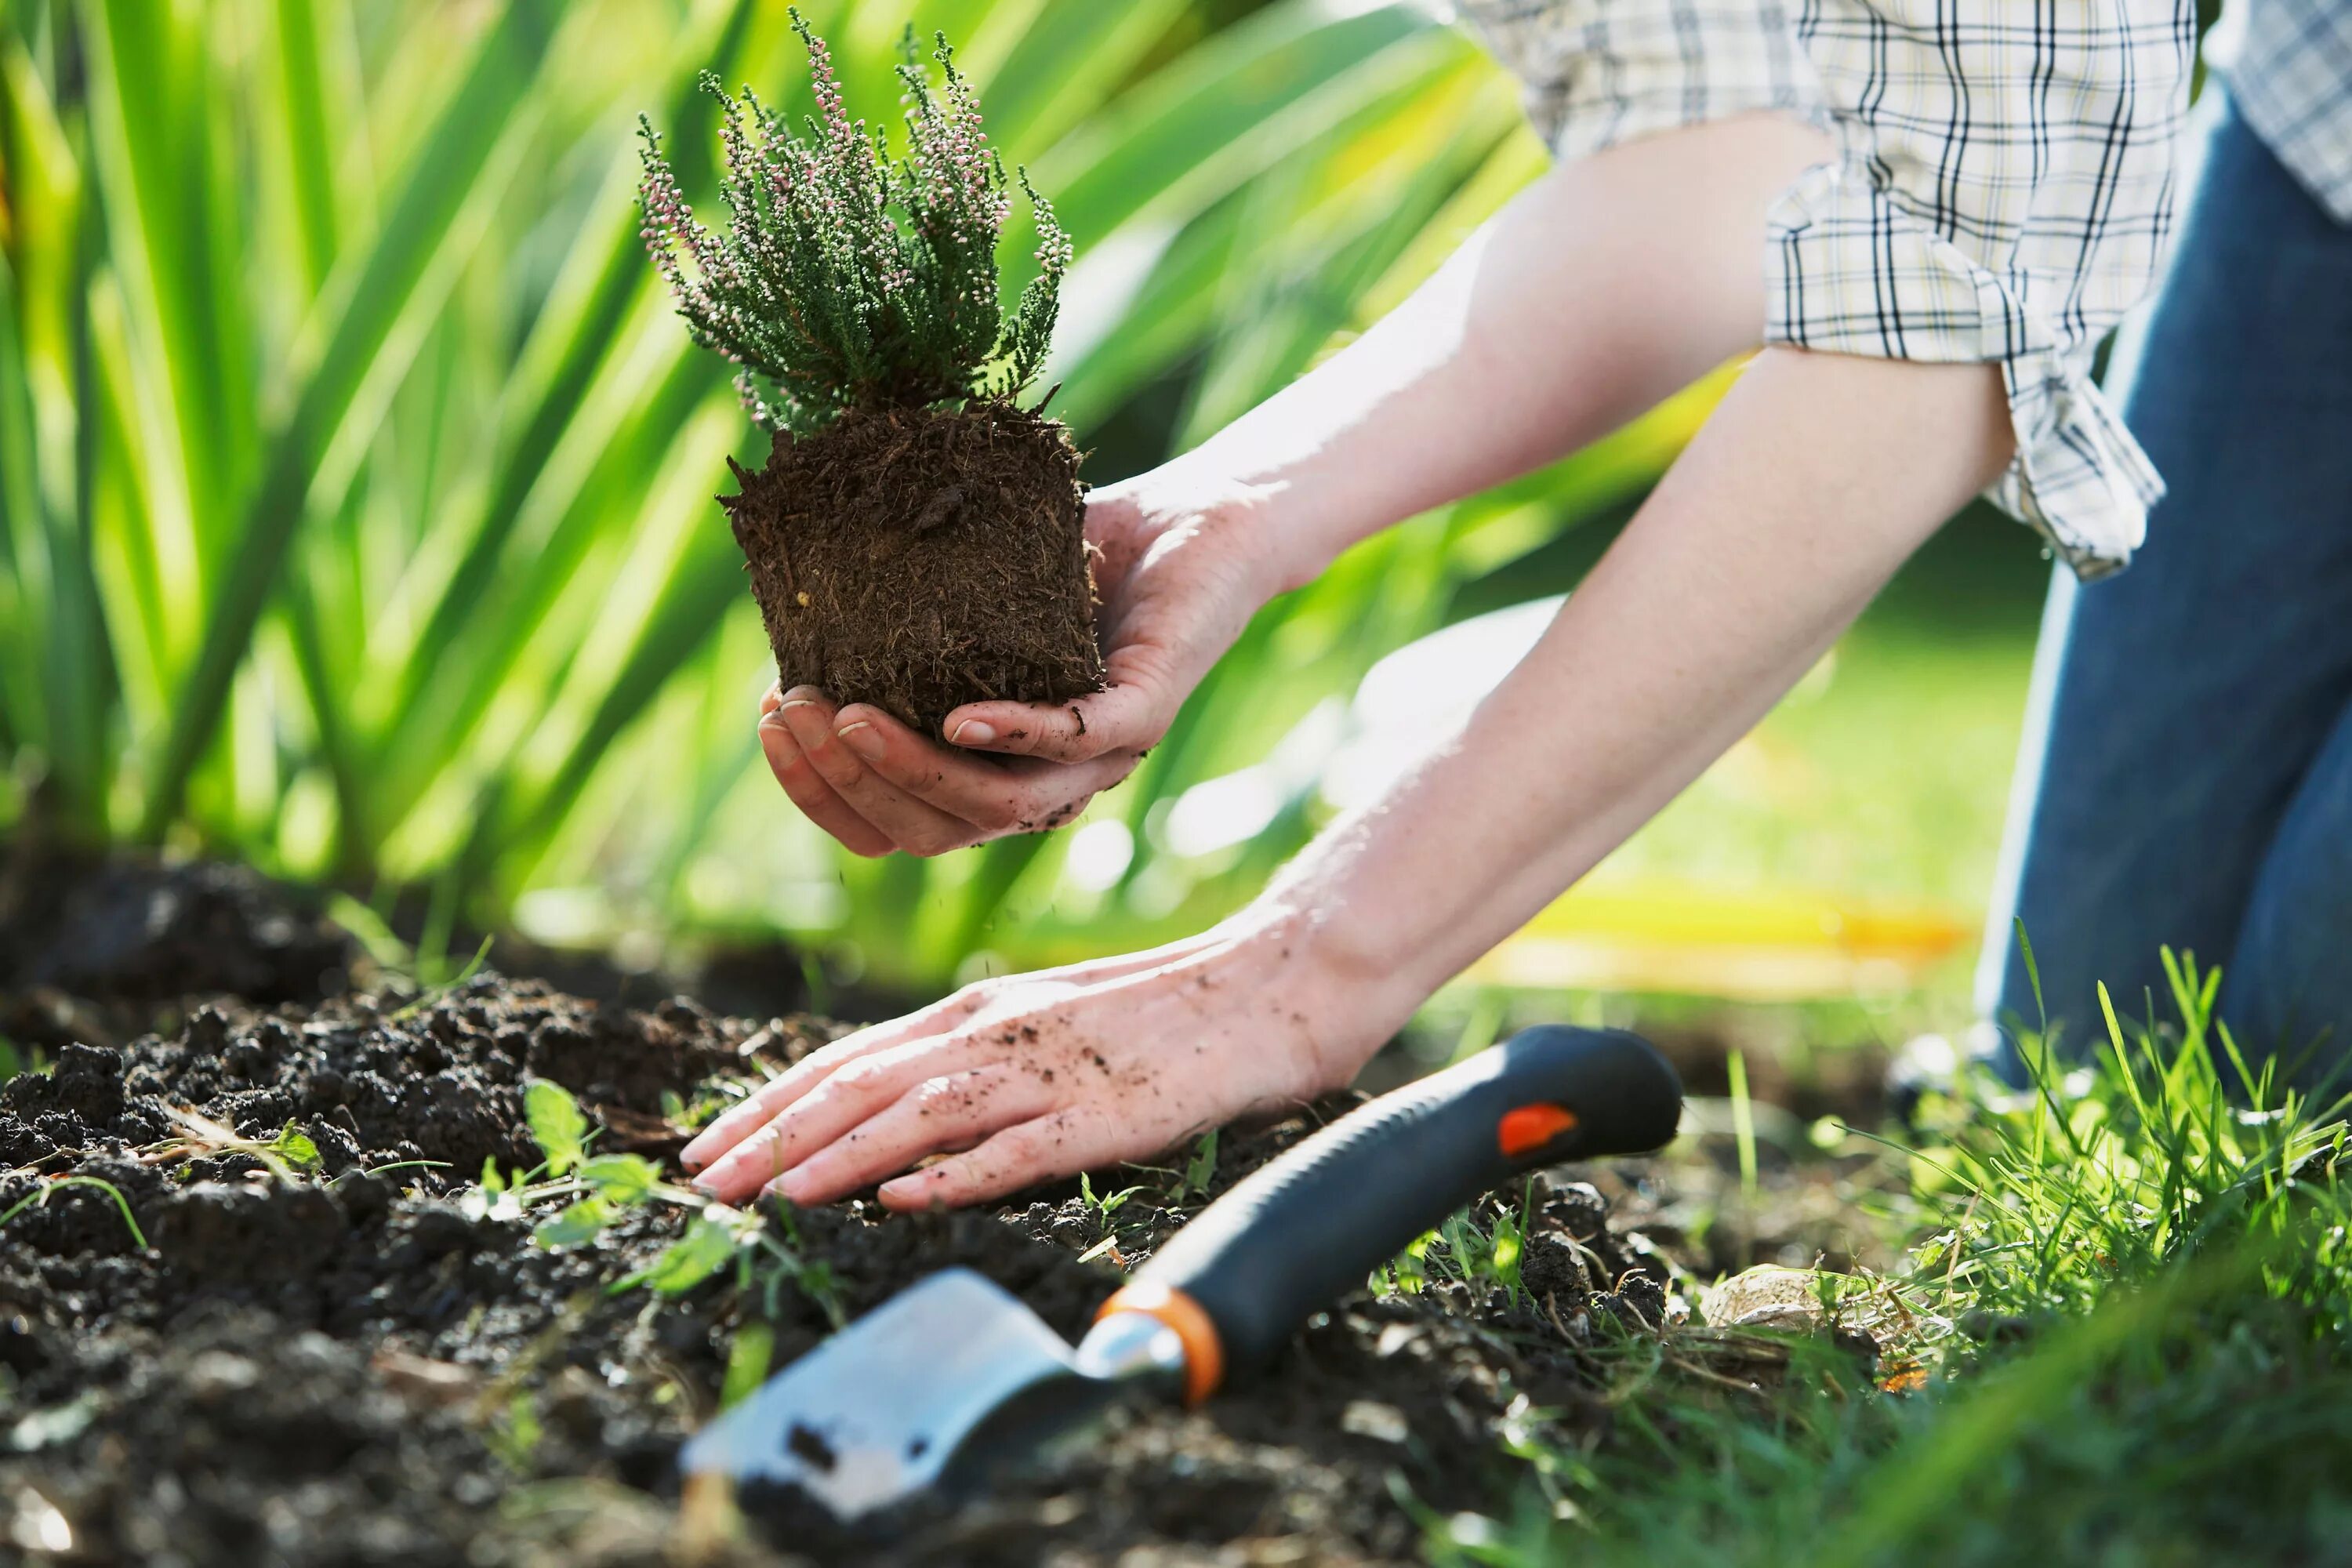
{"x": 356, "y": 488}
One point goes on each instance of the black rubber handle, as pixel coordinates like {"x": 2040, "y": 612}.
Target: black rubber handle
{"x": 1307, "y": 1228}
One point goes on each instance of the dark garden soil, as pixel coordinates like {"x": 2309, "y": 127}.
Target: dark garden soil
{"x": 920, "y": 559}
{"x": 336, "y": 1364}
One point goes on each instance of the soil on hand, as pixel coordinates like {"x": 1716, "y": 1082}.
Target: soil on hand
{"x": 344, "y": 1363}
{"x": 921, "y": 559}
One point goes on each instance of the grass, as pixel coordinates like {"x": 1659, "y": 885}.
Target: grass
{"x": 2120, "y": 1335}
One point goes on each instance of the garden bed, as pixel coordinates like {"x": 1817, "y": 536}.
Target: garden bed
{"x": 327, "y": 1350}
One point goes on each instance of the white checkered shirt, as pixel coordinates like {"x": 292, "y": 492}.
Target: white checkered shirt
{"x": 2293, "y": 83}
{"x": 2002, "y": 190}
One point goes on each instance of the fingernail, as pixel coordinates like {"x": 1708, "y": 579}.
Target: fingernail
{"x": 862, "y": 739}
{"x": 790, "y": 1186}
{"x": 972, "y": 732}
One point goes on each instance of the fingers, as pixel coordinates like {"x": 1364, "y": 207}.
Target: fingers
{"x": 839, "y": 1102}
{"x": 1059, "y": 1144}
{"x": 899, "y": 819}
{"x": 817, "y": 800}
{"x": 993, "y": 796}
{"x": 765, "y": 1104}
{"x": 1120, "y": 717}
{"x": 953, "y": 1110}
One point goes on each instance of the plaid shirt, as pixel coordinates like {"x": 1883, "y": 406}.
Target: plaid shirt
{"x": 2293, "y": 83}
{"x": 2002, "y": 190}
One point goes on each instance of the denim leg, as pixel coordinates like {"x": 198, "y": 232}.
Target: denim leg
{"x": 2181, "y": 705}
{"x": 2287, "y": 989}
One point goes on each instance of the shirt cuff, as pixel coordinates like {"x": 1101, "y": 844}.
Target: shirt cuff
{"x": 1849, "y": 270}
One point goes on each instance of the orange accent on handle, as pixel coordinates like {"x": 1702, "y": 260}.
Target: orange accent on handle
{"x": 1527, "y": 1127}
{"x": 1204, "y": 1352}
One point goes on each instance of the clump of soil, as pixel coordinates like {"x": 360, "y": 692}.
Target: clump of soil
{"x": 101, "y": 949}
{"x": 920, "y": 559}
{"x": 345, "y": 1363}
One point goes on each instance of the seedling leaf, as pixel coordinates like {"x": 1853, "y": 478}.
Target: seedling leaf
{"x": 624, "y": 1180}
{"x": 579, "y": 1223}
{"x": 707, "y": 1246}
{"x": 748, "y": 1359}
{"x": 1201, "y": 1169}
{"x": 294, "y": 1146}
{"x": 556, "y": 1124}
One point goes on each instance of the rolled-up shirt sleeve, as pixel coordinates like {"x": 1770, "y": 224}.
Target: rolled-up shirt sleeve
{"x": 2002, "y": 190}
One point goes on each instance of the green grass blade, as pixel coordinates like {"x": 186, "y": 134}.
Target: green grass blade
{"x": 1222, "y": 111}
{"x": 703, "y": 587}
{"x": 1066, "y": 63}
{"x": 455, "y": 159}
{"x": 572, "y": 346}
{"x": 303, "y": 76}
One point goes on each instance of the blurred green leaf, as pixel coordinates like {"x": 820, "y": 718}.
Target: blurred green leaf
{"x": 581, "y": 1222}
{"x": 556, "y": 1124}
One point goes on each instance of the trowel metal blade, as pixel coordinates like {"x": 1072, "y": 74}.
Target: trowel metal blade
{"x": 884, "y": 1407}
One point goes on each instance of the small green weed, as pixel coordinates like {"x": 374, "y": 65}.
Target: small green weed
{"x": 283, "y": 1154}
{"x": 51, "y": 1186}
{"x": 1200, "y": 1170}
{"x": 597, "y": 1189}
{"x": 1466, "y": 1250}
{"x": 747, "y": 1359}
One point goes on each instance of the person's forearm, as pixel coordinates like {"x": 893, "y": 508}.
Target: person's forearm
{"x": 1814, "y": 480}
{"x": 1544, "y": 331}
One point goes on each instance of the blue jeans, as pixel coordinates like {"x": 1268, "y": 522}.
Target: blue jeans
{"x": 2186, "y": 776}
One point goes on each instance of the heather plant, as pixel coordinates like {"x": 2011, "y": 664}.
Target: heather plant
{"x": 846, "y": 278}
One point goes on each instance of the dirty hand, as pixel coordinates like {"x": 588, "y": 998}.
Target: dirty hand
{"x": 1029, "y": 1078}
{"x": 1182, "y": 566}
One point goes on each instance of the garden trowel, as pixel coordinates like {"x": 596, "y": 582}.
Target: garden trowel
{"x": 954, "y": 1376}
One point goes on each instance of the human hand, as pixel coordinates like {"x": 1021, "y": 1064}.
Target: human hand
{"x": 1030, "y": 1077}
{"x": 1181, "y": 565}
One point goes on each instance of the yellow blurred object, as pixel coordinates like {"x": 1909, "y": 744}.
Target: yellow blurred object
{"x": 1767, "y": 946}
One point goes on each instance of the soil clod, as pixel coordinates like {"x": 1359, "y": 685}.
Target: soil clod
{"x": 920, "y": 559}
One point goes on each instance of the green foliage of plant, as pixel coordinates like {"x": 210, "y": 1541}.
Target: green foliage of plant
{"x": 848, "y": 279}
{"x": 294, "y": 1147}
{"x": 597, "y": 1190}
{"x": 1103, "y": 1204}
{"x": 749, "y": 1356}
{"x": 708, "y": 1246}
{"x": 1200, "y": 1170}
{"x": 515, "y": 1434}
{"x": 557, "y": 1124}
{"x": 580, "y": 1221}
{"x": 1484, "y": 1256}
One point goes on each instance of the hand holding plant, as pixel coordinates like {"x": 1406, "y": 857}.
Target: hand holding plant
{"x": 1181, "y": 564}
{"x": 914, "y": 540}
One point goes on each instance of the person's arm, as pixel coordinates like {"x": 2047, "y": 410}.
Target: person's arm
{"x": 1606, "y": 286}
{"x": 1814, "y": 480}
